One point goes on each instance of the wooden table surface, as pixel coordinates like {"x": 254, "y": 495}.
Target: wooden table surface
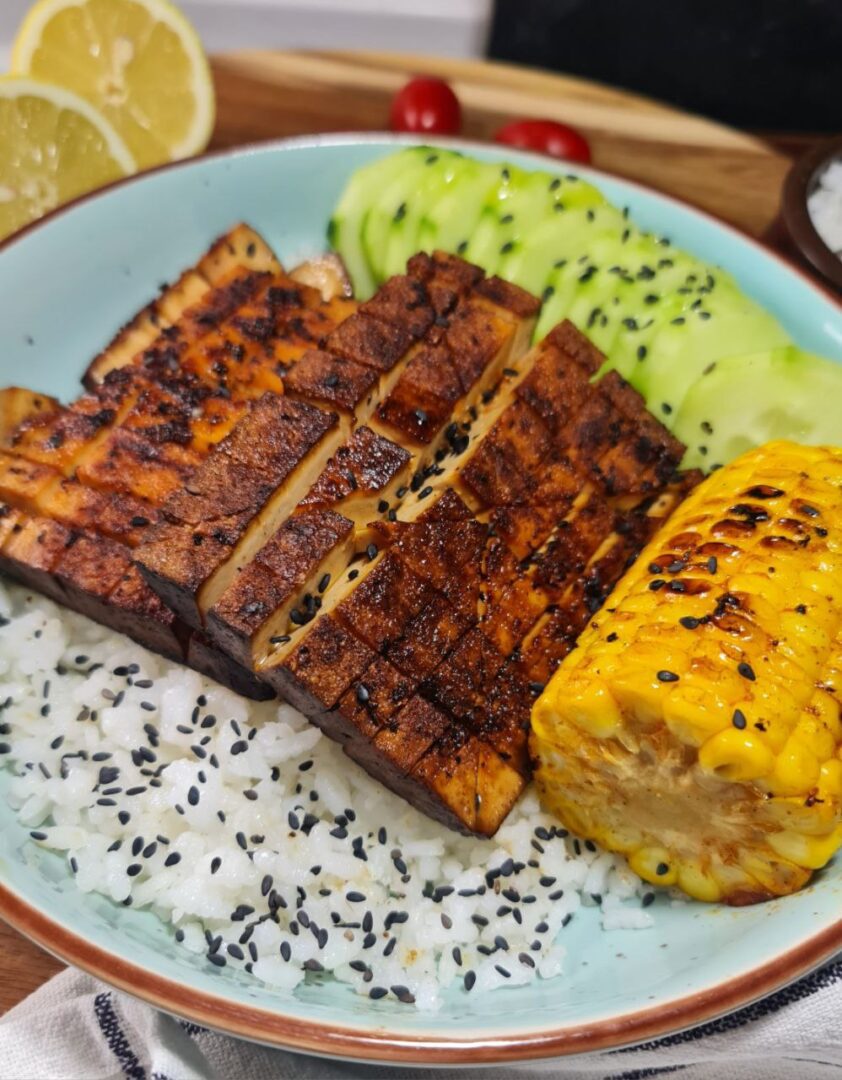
{"x": 264, "y": 95}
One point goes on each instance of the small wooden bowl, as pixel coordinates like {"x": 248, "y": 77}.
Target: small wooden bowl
{"x": 797, "y": 225}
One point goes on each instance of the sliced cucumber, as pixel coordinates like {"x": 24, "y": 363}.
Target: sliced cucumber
{"x": 688, "y": 339}
{"x": 450, "y": 219}
{"x": 519, "y": 204}
{"x": 388, "y": 204}
{"x": 745, "y": 401}
{"x": 345, "y": 228}
{"x": 423, "y": 188}
{"x": 587, "y": 291}
{"x": 566, "y": 237}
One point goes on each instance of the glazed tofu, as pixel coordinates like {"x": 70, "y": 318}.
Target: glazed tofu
{"x": 424, "y": 658}
{"x": 396, "y": 515}
{"x": 160, "y": 399}
{"x": 431, "y": 342}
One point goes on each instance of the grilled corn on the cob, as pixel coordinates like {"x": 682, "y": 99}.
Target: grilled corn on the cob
{"x": 696, "y": 727}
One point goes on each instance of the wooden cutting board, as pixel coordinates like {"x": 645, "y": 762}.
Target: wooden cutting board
{"x": 265, "y": 95}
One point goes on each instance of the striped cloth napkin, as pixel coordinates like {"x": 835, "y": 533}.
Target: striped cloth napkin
{"x": 75, "y": 1028}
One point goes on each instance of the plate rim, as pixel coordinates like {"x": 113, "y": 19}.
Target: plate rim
{"x": 355, "y": 138}
{"x": 282, "y": 1030}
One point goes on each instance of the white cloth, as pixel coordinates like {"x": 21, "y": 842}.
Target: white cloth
{"x": 75, "y": 1028}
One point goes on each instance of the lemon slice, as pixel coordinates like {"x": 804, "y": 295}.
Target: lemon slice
{"x": 53, "y": 147}
{"x": 139, "y": 62}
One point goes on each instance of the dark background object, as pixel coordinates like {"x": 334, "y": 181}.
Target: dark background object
{"x": 758, "y": 64}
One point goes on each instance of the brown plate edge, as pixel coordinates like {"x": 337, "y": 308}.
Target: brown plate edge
{"x": 275, "y": 1029}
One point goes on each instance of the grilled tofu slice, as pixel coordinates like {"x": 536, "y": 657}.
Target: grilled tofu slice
{"x": 467, "y": 342}
{"x": 18, "y": 405}
{"x": 426, "y": 654}
{"x": 101, "y": 467}
{"x": 241, "y": 248}
{"x": 393, "y": 515}
{"x": 233, "y": 502}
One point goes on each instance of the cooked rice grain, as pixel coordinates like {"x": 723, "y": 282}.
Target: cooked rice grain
{"x": 259, "y": 842}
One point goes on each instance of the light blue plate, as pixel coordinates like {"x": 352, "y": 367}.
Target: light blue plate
{"x": 65, "y": 287}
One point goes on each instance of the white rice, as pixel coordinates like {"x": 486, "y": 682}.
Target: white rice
{"x": 825, "y": 207}
{"x": 259, "y": 842}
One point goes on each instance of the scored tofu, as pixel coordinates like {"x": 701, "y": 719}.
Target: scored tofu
{"x": 424, "y": 658}
{"x": 173, "y": 383}
{"x": 468, "y": 342}
{"x": 239, "y": 594}
{"x": 396, "y": 515}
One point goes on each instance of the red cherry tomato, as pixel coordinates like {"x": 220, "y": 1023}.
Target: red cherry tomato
{"x": 545, "y": 137}
{"x": 427, "y": 105}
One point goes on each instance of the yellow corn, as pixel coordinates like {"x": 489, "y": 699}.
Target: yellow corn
{"x": 696, "y": 727}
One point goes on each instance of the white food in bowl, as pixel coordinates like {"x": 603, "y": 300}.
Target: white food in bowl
{"x": 259, "y": 843}
{"x": 825, "y": 207}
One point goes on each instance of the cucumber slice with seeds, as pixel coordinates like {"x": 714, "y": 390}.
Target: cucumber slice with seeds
{"x": 745, "y": 401}
{"x": 345, "y": 228}
{"x": 424, "y": 187}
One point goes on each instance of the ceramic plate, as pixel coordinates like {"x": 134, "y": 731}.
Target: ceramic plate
{"x": 65, "y": 286}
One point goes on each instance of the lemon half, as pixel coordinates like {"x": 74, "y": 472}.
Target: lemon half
{"x": 138, "y": 62}
{"x": 53, "y": 147}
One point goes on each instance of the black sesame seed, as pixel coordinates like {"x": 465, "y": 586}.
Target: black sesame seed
{"x": 661, "y": 869}
{"x": 689, "y": 622}
{"x": 193, "y": 795}
{"x": 172, "y": 859}
{"x": 469, "y": 981}
{"x": 647, "y": 899}
{"x": 502, "y": 971}
{"x": 134, "y": 869}
{"x": 217, "y": 960}
{"x": 746, "y": 670}
{"x": 667, "y": 676}
{"x": 362, "y": 693}
{"x": 738, "y": 719}
{"x": 369, "y": 941}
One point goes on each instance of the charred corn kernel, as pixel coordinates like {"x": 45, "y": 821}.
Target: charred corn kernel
{"x": 819, "y": 727}
{"x": 735, "y": 755}
{"x": 652, "y": 864}
{"x": 593, "y": 709}
{"x": 830, "y": 780}
{"x": 698, "y": 883}
{"x": 705, "y": 740}
{"x": 694, "y": 717}
{"x": 794, "y": 769}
